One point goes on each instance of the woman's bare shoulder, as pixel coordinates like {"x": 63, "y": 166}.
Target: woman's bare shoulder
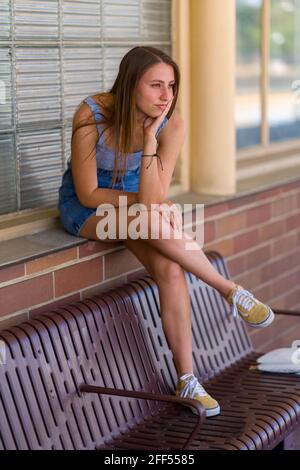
{"x": 83, "y": 112}
{"x": 105, "y": 102}
{"x": 176, "y": 121}
{"x": 175, "y": 124}
{"x": 82, "y": 120}
{"x": 174, "y": 127}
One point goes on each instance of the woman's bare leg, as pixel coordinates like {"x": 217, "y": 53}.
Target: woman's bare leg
{"x": 165, "y": 261}
{"x": 194, "y": 261}
{"x": 175, "y": 304}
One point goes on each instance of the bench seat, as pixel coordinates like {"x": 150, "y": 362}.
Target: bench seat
{"x": 257, "y": 412}
{"x": 98, "y": 374}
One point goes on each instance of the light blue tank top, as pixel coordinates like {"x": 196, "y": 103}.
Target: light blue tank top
{"x": 104, "y": 155}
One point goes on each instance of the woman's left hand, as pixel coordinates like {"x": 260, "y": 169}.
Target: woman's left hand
{"x": 171, "y": 214}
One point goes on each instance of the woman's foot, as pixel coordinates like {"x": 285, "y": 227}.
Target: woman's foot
{"x": 189, "y": 387}
{"x": 251, "y": 310}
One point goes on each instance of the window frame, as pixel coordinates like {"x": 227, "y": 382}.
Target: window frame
{"x": 266, "y": 148}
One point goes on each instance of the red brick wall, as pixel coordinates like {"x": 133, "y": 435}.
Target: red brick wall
{"x": 63, "y": 277}
{"x": 259, "y": 235}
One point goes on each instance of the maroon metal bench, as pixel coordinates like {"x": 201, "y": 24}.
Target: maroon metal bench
{"x": 98, "y": 374}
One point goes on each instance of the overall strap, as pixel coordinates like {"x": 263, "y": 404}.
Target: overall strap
{"x": 96, "y": 112}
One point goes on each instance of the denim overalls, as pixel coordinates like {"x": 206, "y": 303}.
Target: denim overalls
{"x": 73, "y": 214}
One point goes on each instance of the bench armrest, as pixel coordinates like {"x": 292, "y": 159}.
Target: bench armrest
{"x": 286, "y": 312}
{"x": 156, "y": 397}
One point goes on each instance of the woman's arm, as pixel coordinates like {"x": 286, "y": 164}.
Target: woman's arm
{"x": 170, "y": 143}
{"x": 155, "y": 182}
{"x": 150, "y": 189}
{"x": 84, "y": 165}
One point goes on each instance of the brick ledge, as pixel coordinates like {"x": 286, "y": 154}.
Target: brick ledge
{"x": 55, "y": 239}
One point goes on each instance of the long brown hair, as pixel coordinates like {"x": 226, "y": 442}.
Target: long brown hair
{"x": 120, "y": 109}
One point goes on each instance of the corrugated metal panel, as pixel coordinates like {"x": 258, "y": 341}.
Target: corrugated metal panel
{"x": 38, "y": 86}
{"x": 81, "y": 19}
{"x": 6, "y": 118}
{"x": 4, "y": 19}
{"x": 36, "y": 20}
{"x": 82, "y": 76}
{"x": 112, "y": 57}
{"x": 61, "y": 51}
{"x": 40, "y": 167}
{"x": 155, "y": 19}
{"x": 121, "y": 19}
{"x": 8, "y": 184}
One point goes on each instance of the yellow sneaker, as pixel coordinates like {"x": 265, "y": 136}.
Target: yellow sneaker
{"x": 189, "y": 387}
{"x": 251, "y": 310}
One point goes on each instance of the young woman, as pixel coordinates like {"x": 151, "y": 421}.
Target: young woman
{"x": 125, "y": 143}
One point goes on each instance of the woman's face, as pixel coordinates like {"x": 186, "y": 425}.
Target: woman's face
{"x": 155, "y": 90}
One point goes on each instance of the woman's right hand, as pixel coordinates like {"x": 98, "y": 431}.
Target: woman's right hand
{"x": 151, "y": 125}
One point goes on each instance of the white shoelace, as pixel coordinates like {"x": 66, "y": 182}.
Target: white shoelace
{"x": 244, "y": 298}
{"x": 192, "y": 387}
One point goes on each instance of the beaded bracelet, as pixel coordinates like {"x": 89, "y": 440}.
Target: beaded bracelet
{"x": 153, "y": 155}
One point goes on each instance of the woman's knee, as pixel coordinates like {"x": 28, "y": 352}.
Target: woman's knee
{"x": 168, "y": 271}
{"x": 158, "y": 227}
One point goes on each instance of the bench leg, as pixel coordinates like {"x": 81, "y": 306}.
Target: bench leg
{"x": 292, "y": 441}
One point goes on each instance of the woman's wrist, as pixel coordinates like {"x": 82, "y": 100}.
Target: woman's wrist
{"x": 150, "y": 145}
